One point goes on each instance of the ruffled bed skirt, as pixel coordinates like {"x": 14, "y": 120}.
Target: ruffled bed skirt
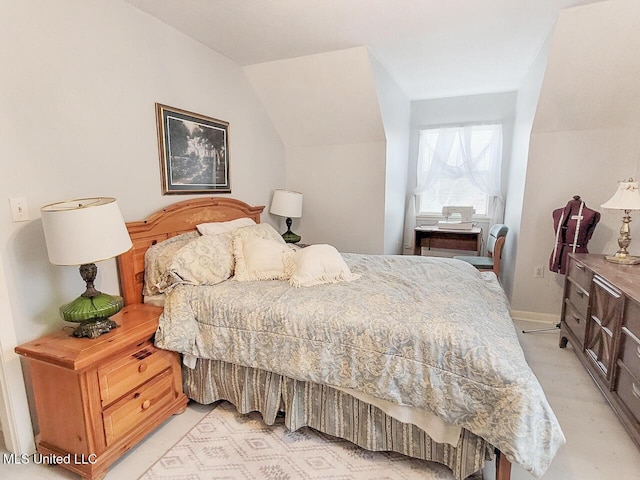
{"x": 329, "y": 411}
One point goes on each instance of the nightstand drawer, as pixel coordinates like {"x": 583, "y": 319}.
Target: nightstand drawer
{"x": 125, "y": 374}
{"x": 137, "y": 406}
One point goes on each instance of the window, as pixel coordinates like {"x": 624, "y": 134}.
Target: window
{"x": 459, "y": 166}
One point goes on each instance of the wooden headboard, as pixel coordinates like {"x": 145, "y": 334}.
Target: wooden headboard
{"x": 173, "y": 220}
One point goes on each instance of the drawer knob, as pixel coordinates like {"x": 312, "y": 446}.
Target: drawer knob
{"x": 576, "y": 318}
{"x": 579, "y": 293}
{"x": 580, "y": 267}
{"x": 142, "y": 367}
{"x": 146, "y": 404}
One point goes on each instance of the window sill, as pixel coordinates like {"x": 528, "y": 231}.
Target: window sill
{"x": 435, "y": 217}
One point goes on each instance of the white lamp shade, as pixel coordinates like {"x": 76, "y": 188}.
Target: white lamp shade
{"x": 286, "y": 203}
{"x": 627, "y": 197}
{"x": 84, "y": 231}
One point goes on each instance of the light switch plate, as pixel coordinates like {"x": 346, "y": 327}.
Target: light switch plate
{"x": 19, "y": 209}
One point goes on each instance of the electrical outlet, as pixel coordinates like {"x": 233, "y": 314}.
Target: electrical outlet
{"x": 538, "y": 271}
{"x": 19, "y": 209}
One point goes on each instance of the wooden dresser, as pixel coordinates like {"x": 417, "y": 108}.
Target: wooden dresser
{"x": 601, "y": 320}
{"x": 97, "y": 398}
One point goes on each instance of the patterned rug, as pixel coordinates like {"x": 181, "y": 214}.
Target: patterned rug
{"x": 230, "y": 446}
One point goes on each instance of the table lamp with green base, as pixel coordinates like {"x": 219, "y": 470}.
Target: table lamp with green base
{"x": 81, "y": 232}
{"x": 288, "y": 204}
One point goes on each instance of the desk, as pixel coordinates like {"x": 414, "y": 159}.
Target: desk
{"x": 434, "y": 237}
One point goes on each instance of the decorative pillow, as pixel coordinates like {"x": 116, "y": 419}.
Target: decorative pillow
{"x": 317, "y": 264}
{"x": 207, "y": 260}
{"x": 260, "y": 259}
{"x": 157, "y": 259}
{"x": 214, "y": 228}
{"x": 261, "y": 230}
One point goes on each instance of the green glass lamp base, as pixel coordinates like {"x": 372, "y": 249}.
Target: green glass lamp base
{"x": 92, "y": 313}
{"x": 291, "y": 237}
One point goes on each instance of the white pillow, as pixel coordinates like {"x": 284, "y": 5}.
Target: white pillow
{"x": 261, "y": 230}
{"x": 260, "y": 259}
{"x": 317, "y": 264}
{"x": 215, "y": 228}
{"x": 206, "y": 260}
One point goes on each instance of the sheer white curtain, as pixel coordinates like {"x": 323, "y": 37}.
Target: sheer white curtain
{"x": 472, "y": 151}
{"x": 426, "y": 173}
{"x": 483, "y": 164}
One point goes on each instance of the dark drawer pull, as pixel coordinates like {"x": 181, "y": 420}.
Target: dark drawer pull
{"x": 142, "y": 354}
{"x": 577, "y": 319}
{"x": 580, "y": 267}
{"x": 580, "y": 293}
{"x": 635, "y": 391}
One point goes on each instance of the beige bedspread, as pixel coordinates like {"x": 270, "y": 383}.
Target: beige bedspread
{"x": 426, "y": 332}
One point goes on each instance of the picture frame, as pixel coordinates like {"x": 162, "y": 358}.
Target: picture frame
{"x": 193, "y": 151}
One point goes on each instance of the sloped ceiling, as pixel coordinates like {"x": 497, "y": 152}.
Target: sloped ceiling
{"x": 432, "y": 48}
{"x": 593, "y": 81}
{"x": 313, "y": 101}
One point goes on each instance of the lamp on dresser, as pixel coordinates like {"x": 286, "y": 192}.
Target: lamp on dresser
{"x": 82, "y": 232}
{"x": 626, "y": 198}
{"x": 288, "y": 204}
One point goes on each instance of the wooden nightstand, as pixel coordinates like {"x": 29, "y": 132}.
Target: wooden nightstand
{"x": 97, "y": 398}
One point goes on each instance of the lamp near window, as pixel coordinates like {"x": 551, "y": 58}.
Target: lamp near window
{"x": 288, "y": 204}
{"x": 81, "y": 232}
{"x": 626, "y": 198}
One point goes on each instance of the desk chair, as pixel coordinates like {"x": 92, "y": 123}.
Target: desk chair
{"x": 495, "y": 243}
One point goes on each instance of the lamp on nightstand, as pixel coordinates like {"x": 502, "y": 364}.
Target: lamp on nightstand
{"x": 81, "y": 232}
{"x": 626, "y": 198}
{"x": 287, "y": 204}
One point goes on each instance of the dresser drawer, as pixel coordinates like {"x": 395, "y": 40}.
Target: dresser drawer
{"x": 631, "y": 352}
{"x": 137, "y": 406}
{"x": 578, "y": 296}
{"x": 580, "y": 274}
{"x": 576, "y": 322}
{"x": 632, "y": 317}
{"x": 628, "y": 390}
{"x": 122, "y": 375}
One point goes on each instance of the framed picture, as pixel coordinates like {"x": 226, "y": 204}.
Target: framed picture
{"x": 194, "y": 152}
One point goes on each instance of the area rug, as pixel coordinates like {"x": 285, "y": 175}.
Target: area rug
{"x": 227, "y": 445}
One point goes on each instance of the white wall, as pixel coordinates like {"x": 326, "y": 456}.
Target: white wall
{"x": 492, "y": 107}
{"x": 526, "y": 104}
{"x": 77, "y": 91}
{"x": 585, "y": 138}
{"x": 325, "y": 108}
{"x": 395, "y": 109}
{"x": 14, "y": 411}
{"x": 343, "y": 188}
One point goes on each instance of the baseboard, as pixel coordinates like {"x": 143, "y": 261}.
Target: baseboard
{"x": 535, "y": 316}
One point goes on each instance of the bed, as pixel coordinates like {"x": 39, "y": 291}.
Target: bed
{"x": 408, "y": 345}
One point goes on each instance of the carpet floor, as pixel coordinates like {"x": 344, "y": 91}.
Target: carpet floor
{"x": 230, "y": 446}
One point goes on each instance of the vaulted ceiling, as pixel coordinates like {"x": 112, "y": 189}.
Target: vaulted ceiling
{"x": 432, "y": 48}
